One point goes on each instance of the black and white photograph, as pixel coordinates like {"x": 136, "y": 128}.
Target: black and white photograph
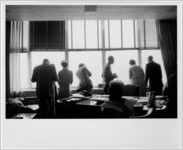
{"x": 91, "y": 62}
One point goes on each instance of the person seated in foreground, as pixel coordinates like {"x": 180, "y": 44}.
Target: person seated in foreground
{"x": 85, "y": 83}
{"x": 115, "y": 107}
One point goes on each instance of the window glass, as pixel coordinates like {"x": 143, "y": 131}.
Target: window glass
{"x": 100, "y": 33}
{"x": 151, "y": 34}
{"x": 24, "y": 71}
{"x": 92, "y": 60}
{"x": 69, "y": 35}
{"x": 121, "y": 63}
{"x": 106, "y": 32}
{"x": 78, "y": 34}
{"x": 128, "y": 34}
{"x": 157, "y": 57}
{"x": 54, "y": 57}
{"x": 115, "y": 33}
{"x": 91, "y": 34}
{"x": 25, "y": 35}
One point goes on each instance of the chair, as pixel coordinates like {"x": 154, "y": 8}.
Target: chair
{"x": 131, "y": 90}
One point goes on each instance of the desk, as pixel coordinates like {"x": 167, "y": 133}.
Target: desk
{"x": 79, "y": 106}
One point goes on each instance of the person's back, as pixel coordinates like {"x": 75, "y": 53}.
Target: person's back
{"x": 115, "y": 107}
{"x": 154, "y": 75}
{"x": 137, "y": 76}
{"x": 65, "y": 78}
{"x": 45, "y": 76}
{"x": 84, "y": 78}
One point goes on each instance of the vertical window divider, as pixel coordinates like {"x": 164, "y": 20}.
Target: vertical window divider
{"x": 109, "y": 34}
{"x": 103, "y": 45}
{"x": 66, "y": 41}
{"x": 134, "y": 33}
{"x": 121, "y": 33}
{"x": 71, "y": 35}
{"x": 47, "y": 35}
{"x": 144, "y": 33}
{"x": 85, "y": 33}
{"x": 98, "y": 33}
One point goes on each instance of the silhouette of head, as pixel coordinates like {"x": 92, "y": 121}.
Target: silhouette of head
{"x": 64, "y": 63}
{"x": 81, "y": 65}
{"x": 115, "y": 90}
{"x": 150, "y": 58}
{"x": 46, "y": 61}
{"x": 132, "y": 62}
{"x": 111, "y": 59}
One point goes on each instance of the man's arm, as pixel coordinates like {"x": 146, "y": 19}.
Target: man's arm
{"x": 71, "y": 77}
{"x": 146, "y": 74}
{"x": 54, "y": 74}
{"x": 34, "y": 75}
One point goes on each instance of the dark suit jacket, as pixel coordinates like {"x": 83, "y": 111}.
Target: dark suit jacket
{"x": 154, "y": 75}
{"x": 44, "y": 76}
{"x": 65, "y": 78}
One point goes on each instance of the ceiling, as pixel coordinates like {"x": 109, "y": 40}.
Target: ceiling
{"x": 63, "y": 12}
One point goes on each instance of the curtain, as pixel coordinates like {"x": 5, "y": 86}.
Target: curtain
{"x": 167, "y": 33}
{"x": 16, "y": 28}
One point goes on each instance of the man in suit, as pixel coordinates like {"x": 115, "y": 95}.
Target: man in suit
{"x": 154, "y": 76}
{"x": 108, "y": 75}
{"x": 65, "y": 78}
{"x": 45, "y": 76}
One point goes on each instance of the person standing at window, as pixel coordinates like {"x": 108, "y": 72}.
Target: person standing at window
{"x": 45, "y": 76}
{"x": 85, "y": 84}
{"x": 137, "y": 76}
{"x": 108, "y": 75}
{"x": 153, "y": 74}
{"x": 65, "y": 78}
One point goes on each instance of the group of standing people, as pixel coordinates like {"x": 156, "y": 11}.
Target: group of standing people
{"x": 45, "y": 76}
{"x": 152, "y": 76}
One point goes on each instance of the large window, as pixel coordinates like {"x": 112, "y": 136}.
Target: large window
{"x": 157, "y": 57}
{"x": 89, "y": 42}
{"x": 93, "y": 62}
{"x": 54, "y": 57}
{"x": 121, "y": 63}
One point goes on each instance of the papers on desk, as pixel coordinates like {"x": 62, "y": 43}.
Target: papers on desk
{"x": 136, "y": 99}
{"x": 100, "y": 98}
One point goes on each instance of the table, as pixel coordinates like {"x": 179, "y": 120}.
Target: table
{"x": 79, "y": 106}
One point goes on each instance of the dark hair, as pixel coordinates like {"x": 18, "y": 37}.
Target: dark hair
{"x": 132, "y": 62}
{"x": 64, "y": 63}
{"x": 150, "y": 58}
{"x": 110, "y": 59}
{"x": 45, "y": 61}
{"x": 81, "y": 65}
{"x": 115, "y": 89}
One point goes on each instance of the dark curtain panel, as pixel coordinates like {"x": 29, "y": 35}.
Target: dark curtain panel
{"x": 7, "y": 58}
{"x": 47, "y": 35}
{"x": 167, "y": 32}
{"x": 168, "y": 42}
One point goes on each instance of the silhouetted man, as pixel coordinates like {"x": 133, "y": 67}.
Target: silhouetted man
{"x": 154, "y": 76}
{"x": 45, "y": 76}
{"x": 65, "y": 78}
{"x": 108, "y": 75}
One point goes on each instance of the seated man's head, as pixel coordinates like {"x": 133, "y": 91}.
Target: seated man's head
{"x": 64, "y": 63}
{"x": 115, "y": 90}
{"x": 46, "y": 61}
{"x": 132, "y": 62}
{"x": 111, "y": 59}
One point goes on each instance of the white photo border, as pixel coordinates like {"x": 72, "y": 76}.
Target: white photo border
{"x": 91, "y": 133}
